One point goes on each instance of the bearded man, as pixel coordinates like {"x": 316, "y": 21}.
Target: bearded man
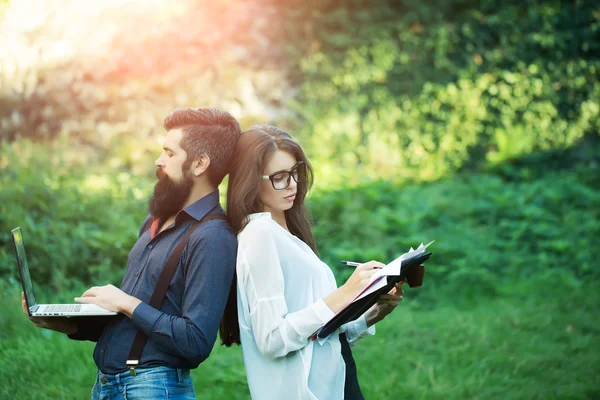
{"x": 181, "y": 332}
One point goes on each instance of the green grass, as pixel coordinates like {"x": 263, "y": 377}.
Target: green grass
{"x": 539, "y": 341}
{"x": 536, "y": 340}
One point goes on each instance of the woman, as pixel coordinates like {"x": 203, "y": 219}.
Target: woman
{"x": 285, "y": 293}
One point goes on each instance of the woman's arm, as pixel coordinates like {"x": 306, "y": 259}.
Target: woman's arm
{"x": 359, "y": 279}
{"x": 261, "y": 284}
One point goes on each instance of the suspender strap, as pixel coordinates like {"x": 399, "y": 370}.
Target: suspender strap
{"x": 147, "y": 225}
{"x": 161, "y": 288}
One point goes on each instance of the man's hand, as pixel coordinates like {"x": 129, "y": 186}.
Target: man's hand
{"x": 110, "y": 298}
{"x": 385, "y": 305}
{"x": 58, "y": 324}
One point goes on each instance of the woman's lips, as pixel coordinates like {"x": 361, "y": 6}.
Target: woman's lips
{"x": 291, "y": 197}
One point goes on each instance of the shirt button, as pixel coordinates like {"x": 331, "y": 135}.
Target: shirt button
{"x": 150, "y": 246}
{"x": 137, "y": 273}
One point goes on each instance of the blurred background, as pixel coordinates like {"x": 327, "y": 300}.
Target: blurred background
{"x": 474, "y": 123}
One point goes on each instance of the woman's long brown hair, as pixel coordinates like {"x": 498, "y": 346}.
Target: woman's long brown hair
{"x": 253, "y": 150}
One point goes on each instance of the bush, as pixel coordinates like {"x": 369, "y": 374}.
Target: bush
{"x": 419, "y": 90}
{"x": 489, "y": 228}
{"x": 79, "y": 220}
{"x": 403, "y": 90}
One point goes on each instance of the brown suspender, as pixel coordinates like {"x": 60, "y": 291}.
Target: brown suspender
{"x": 158, "y": 295}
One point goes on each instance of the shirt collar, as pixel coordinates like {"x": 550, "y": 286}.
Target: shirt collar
{"x": 259, "y": 215}
{"x": 200, "y": 208}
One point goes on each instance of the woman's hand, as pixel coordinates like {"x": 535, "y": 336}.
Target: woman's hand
{"x": 360, "y": 278}
{"x": 58, "y": 324}
{"x": 385, "y": 305}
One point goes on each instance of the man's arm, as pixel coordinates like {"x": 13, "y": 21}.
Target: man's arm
{"x": 84, "y": 328}
{"x": 210, "y": 262}
{"x": 58, "y": 324}
{"x": 89, "y": 328}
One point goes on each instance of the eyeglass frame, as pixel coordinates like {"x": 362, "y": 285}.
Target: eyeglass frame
{"x": 290, "y": 176}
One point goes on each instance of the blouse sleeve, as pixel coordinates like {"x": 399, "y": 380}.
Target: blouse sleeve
{"x": 357, "y": 329}
{"x": 277, "y": 331}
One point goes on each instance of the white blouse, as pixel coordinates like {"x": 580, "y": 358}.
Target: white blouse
{"x": 281, "y": 284}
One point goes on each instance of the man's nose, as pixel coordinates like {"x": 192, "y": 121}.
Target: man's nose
{"x": 159, "y": 162}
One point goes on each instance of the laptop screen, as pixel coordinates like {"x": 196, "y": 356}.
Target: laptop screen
{"x": 23, "y": 268}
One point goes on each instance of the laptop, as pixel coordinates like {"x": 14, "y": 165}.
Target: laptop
{"x": 48, "y": 310}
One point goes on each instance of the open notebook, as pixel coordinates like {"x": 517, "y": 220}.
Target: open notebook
{"x": 408, "y": 267}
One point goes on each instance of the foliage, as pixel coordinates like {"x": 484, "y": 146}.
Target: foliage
{"x": 493, "y": 104}
{"x": 419, "y": 89}
{"x": 488, "y": 228}
{"x": 403, "y": 90}
{"x": 113, "y": 95}
{"x": 79, "y": 222}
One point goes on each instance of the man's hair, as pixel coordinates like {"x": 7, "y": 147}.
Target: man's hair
{"x": 206, "y": 131}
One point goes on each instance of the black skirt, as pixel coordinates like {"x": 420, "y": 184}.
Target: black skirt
{"x": 351, "y": 386}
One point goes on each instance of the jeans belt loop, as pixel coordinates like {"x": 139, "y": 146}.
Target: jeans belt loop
{"x": 179, "y": 375}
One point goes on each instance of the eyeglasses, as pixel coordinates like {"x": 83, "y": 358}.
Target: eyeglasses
{"x": 281, "y": 180}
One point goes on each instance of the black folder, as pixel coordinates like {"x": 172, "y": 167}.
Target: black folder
{"x": 357, "y": 308}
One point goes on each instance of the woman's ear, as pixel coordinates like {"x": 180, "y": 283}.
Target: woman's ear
{"x": 200, "y": 165}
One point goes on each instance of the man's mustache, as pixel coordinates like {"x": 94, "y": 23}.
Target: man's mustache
{"x": 160, "y": 174}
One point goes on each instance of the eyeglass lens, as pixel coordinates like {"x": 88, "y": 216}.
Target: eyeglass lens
{"x": 282, "y": 180}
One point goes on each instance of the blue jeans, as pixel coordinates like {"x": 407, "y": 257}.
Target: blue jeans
{"x": 148, "y": 384}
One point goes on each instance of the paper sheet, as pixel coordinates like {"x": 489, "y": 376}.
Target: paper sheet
{"x": 379, "y": 279}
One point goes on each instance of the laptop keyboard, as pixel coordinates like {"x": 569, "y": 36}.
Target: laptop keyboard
{"x": 59, "y": 308}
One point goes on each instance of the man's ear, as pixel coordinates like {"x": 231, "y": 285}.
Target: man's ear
{"x": 200, "y": 165}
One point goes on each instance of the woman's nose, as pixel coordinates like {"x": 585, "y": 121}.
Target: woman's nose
{"x": 293, "y": 184}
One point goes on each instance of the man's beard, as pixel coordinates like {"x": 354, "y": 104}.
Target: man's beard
{"x": 169, "y": 196}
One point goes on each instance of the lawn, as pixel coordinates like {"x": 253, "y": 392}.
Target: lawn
{"x": 536, "y": 340}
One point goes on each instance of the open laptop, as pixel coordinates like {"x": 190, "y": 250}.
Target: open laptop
{"x": 48, "y": 310}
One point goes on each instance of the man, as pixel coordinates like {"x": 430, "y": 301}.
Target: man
{"x": 196, "y": 156}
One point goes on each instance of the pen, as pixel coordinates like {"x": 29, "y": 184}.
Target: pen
{"x": 350, "y": 263}
{"x": 353, "y": 264}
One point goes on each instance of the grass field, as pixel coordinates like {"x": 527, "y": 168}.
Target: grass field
{"x": 538, "y": 340}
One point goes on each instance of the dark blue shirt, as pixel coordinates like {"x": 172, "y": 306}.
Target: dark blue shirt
{"x": 182, "y": 333}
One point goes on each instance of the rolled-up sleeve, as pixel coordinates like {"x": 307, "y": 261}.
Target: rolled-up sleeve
{"x": 210, "y": 265}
